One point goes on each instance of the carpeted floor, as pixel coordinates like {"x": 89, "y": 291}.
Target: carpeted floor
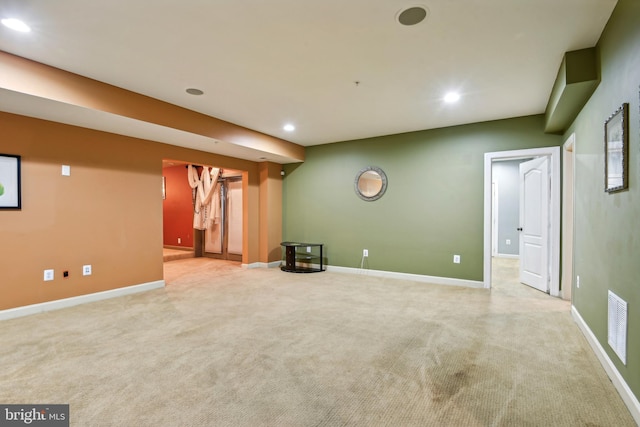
{"x": 171, "y": 254}
{"x": 224, "y": 346}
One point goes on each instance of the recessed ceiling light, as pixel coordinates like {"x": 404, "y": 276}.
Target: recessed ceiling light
{"x": 16, "y": 24}
{"x": 412, "y": 15}
{"x": 194, "y": 91}
{"x": 289, "y": 127}
{"x": 451, "y": 97}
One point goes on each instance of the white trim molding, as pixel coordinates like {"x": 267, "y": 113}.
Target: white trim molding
{"x": 407, "y": 276}
{"x": 618, "y": 382}
{"x": 28, "y": 310}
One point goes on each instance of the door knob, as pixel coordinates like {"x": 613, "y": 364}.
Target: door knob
{"x": 519, "y": 228}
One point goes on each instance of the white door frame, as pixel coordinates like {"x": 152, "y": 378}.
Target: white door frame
{"x": 568, "y": 186}
{"x": 494, "y": 220}
{"x": 554, "y": 236}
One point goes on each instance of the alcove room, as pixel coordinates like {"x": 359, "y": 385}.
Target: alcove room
{"x": 217, "y": 204}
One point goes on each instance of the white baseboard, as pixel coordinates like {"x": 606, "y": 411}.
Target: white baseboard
{"x": 408, "y": 276}
{"x": 619, "y": 383}
{"x": 379, "y": 273}
{"x": 28, "y": 310}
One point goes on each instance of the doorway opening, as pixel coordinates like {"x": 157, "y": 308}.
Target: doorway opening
{"x": 202, "y": 212}
{"x": 551, "y": 252}
{"x": 505, "y": 211}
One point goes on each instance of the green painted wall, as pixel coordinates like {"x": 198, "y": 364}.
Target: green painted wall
{"x": 607, "y": 236}
{"x": 433, "y": 207}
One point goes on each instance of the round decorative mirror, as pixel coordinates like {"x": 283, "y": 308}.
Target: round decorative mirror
{"x": 370, "y": 183}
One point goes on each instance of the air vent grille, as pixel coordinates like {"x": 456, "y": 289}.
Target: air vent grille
{"x": 618, "y": 326}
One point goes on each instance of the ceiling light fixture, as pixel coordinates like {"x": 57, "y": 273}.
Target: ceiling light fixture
{"x": 412, "y": 15}
{"x": 451, "y": 97}
{"x": 15, "y": 24}
{"x": 194, "y": 91}
{"x": 289, "y": 127}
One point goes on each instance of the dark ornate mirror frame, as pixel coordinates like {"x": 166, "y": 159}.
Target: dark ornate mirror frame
{"x": 382, "y": 190}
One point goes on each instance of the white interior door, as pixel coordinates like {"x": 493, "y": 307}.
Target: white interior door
{"x": 534, "y": 223}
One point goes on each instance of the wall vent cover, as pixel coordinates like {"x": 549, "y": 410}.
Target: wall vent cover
{"x": 618, "y": 326}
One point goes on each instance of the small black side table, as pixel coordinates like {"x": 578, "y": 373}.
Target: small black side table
{"x": 302, "y": 257}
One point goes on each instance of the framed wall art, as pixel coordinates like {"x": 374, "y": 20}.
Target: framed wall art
{"x": 10, "y": 191}
{"x": 616, "y": 150}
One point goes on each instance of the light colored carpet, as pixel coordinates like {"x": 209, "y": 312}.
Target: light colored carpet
{"x": 223, "y": 346}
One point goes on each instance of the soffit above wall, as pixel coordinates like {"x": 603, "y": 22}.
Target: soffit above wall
{"x": 36, "y": 90}
{"x": 577, "y": 79}
{"x": 17, "y": 103}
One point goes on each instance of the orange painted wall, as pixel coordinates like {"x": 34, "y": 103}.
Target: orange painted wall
{"x": 271, "y": 205}
{"x": 108, "y": 213}
{"x": 177, "y": 208}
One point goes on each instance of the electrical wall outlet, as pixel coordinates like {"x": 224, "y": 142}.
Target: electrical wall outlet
{"x": 86, "y": 270}
{"x": 365, "y": 252}
{"x": 308, "y": 248}
{"x": 577, "y": 281}
{"x": 48, "y": 275}
{"x": 179, "y": 240}
{"x": 456, "y": 259}
{"x": 508, "y": 241}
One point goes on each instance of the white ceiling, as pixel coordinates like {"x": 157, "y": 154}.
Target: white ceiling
{"x": 264, "y": 63}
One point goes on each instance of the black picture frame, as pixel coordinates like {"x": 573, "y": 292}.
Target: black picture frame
{"x": 10, "y": 182}
{"x": 616, "y": 150}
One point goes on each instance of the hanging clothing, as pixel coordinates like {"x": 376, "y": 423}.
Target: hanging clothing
{"x": 205, "y": 209}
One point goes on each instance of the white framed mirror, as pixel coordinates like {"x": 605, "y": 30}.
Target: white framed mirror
{"x": 370, "y": 183}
